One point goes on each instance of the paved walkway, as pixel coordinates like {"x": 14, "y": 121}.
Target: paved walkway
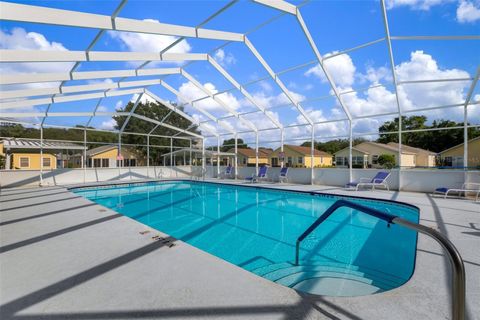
{"x": 64, "y": 257}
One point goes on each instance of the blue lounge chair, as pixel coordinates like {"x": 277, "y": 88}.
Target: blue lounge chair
{"x": 227, "y": 173}
{"x": 465, "y": 189}
{"x": 282, "y": 176}
{"x": 380, "y": 180}
{"x": 262, "y": 175}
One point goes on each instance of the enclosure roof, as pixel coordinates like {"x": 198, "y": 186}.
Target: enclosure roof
{"x": 18, "y": 143}
{"x": 243, "y": 69}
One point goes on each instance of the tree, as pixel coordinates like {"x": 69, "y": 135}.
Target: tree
{"x": 230, "y": 144}
{"x": 333, "y": 146}
{"x": 435, "y": 140}
{"x": 387, "y": 161}
{"x": 159, "y": 112}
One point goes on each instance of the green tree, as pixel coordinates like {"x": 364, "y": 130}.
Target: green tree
{"x": 230, "y": 143}
{"x": 435, "y": 140}
{"x": 159, "y": 112}
{"x": 387, "y": 161}
{"x": 333, "y": 146}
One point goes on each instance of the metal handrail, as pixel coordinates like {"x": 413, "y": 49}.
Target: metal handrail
{"x": 458, "y": 279}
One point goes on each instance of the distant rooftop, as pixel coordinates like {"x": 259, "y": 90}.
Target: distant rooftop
{"x": 20, "y": 143}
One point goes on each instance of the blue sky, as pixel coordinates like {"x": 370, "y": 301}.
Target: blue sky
{"x": 334, "y": 25}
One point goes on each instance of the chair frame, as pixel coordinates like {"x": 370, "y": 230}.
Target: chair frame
{"x": 463, "y": 189}
{"x": 373, "y": 183}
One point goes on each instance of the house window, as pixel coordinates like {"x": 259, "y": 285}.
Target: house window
{"x": 448, "y": 161}
{"x": 97, "y": 163}
{"x": 300, "y": 160}
{"x": 375, "y": 159}
{"x": 105, "y": 163}
{"x": 274, "y": 162}
{"x": 244, "y": 161}
{"x": 46, "y": 163}
{"x": 339, "y": 161}
{"x": 24, "y": 162}
{"x": 289, "y": 161}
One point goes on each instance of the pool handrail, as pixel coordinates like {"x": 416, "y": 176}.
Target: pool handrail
{"x": 458, "y": 279}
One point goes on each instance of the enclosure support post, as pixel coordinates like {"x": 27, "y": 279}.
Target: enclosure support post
{"x": 84, "y": 162}
{"x": 236, "y": 157}
{"x": 282, "y": 137}
{"x": 312, "y": 156}
{"x": 190, "y": 157}
{"x": 119, "y": 157}
{"x": 41, "y": 154}
{"x": 148, "y": 156}
{"x": 256, "y": 152}
{"x": 171, "y": 152}
{"x": 218, "y": 157}
{"x": 350, "y": 145}
{"x": 203, "y": 157}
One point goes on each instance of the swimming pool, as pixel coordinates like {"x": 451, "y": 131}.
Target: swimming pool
{"x": 350, "y": 254}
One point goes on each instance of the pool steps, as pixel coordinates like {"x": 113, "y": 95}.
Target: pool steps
{"x": 345, "y": 275}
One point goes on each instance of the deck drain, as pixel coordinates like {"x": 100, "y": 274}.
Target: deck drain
{"x": 102, "y": 210}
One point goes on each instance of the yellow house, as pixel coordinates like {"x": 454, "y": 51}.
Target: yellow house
{"x": 453, "y": 157}
{"x": 298, "y": 156}
{"x": 19, "y": 157}
{"x": 31, "y": 161}
{"x": 107, "y": 157}
{"x": 366, "y": 155}
{"x": 246, "y": 157}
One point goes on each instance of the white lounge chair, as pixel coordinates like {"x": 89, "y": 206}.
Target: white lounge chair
{"x": 465, "y": 189}
{"x": 380, "y": 180}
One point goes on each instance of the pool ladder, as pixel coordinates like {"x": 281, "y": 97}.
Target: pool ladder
{"x": 458, "y": 279}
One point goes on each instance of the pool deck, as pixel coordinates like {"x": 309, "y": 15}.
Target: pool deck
{"x": 64, "y": 257}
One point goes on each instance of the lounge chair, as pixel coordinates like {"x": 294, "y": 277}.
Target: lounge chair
{"x": 466, "y": 188}
{"x": 380, "y": 180}
{"x": 282, "y": 176}
{"x": 262, "y": 175}
{"x": 227, "y": 173}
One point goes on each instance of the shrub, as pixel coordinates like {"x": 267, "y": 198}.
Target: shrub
{"x": 386, "y": 161}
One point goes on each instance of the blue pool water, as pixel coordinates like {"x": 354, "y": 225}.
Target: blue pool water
{"x": 350, "y": 254}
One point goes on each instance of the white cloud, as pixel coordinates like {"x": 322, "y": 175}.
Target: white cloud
{"x": 190, "y": 92}
{"x": 20, "y": 39}
{"x": 119, "y": 103}
{"x": 102, "y": 109}
{"x": 424, "y": 5}
{"x": 225, "y": 59}
{"x": 468, "y": 12}
{"x": 142, "y": 42}
{"x": 341, "y": 68}
{"x": 376, "y": 75}
{"x": 422, "y": 66}
{"x": 108, "y": 124}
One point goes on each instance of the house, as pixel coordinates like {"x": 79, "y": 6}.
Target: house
{"x": 365, "y": 155}
{"x": 298, "y": 156}
{"x": 107, "y": 157}
{"x": 247, "y": 156}
{"x": 24, "y": 154}
{"x": 453, "y": 157}
{"x": 424, "y": 158}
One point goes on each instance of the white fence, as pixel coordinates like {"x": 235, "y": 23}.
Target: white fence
{"x": 419, "y": 180}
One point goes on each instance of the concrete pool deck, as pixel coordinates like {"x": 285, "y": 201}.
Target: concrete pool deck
{"x": 64, "y": 257}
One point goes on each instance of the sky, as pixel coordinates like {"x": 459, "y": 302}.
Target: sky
{"x": 364, "y": 76}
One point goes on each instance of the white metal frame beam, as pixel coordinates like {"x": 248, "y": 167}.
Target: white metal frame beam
{"x": 37, "y": 14}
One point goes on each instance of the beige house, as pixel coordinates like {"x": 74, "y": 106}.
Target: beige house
{"x": 453, "y": 157}
{"x": 365, "y": 155}
{"x": 424, "y": 158}
{"x": 298, "y": 156}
